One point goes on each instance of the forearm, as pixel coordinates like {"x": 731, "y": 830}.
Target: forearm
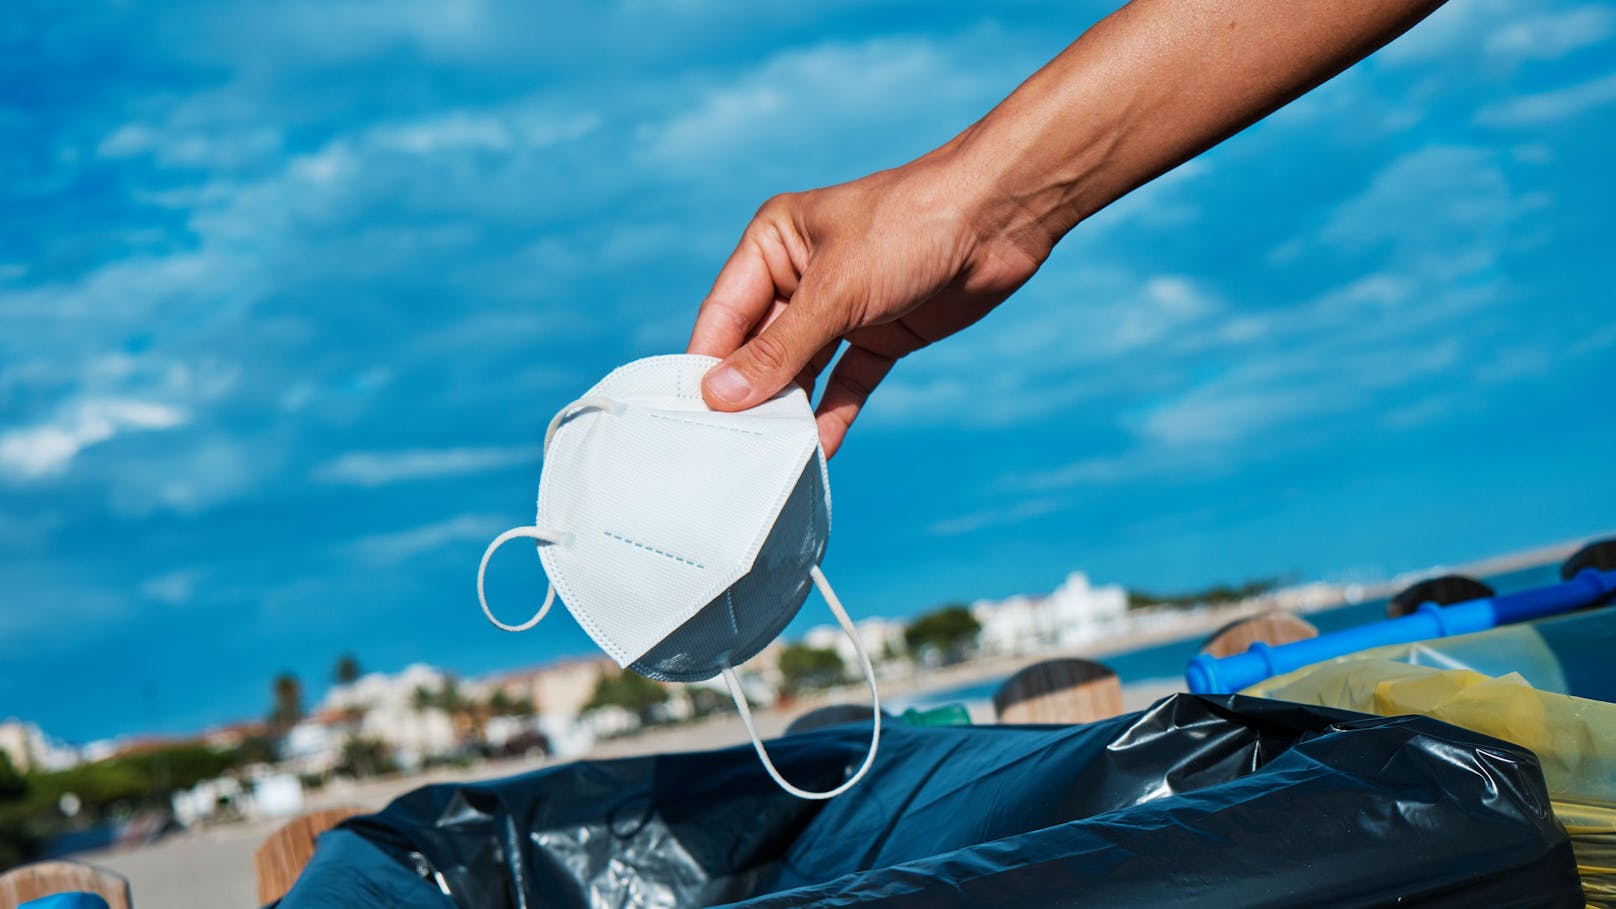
{"x": 1145, "y": 89}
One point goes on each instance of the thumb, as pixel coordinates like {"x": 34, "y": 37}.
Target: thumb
{"x": 768, "y": 362}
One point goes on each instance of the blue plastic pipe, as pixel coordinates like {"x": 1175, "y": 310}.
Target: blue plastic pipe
{"x": 1210, "y": 675}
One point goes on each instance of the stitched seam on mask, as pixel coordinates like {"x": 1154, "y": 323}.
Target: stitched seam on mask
{"x": 663, "y": 416}
{"x": 734, "y": 625}
{"x": 640, "y": 366}
{"x": 653, "y": 549}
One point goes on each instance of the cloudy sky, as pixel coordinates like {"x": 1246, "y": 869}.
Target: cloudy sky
{"x": 289, "y": 289}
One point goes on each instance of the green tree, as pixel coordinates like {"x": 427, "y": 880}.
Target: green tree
{"x": 362, "y": 757}
{"x": 450, "y": 698}
{"x": 628, "y": 690}
{"x": 949, "y": 630}
{"x": 288, "y": 702}
{"x": 1215, "y": 595}
{"x": 706, "y": 702}
{"x": 254, "y": 749}
{"x": 423, "y": 699}
{"x": 12, "y": 784}
{"x": 807, "y": 667}
{"x": 501, "y": 703}
{"x": 30, "y": 815}
{"x": 347, "y": 670}
{"x": 445, "y": 697}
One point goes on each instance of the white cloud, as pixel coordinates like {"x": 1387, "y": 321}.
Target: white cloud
{"x": 1215, "y": 414}
{"x": 810, "y": 101}
{"x": 1454, "y": 29}
{"x": 1595, "y": 341}
{"x": 1552, "y": 106}
{"x": 1284, "y": 389}
{"x": 1073, "y": 335}
{"x": 381, "y": 468}
{"x": 192, "y": 478}
{"x": 1317, "y": 365}
{"x": 996, "y": 517}
{"x": 493, "y": 131}
{"x": 174, "y": 588}
{"x": 48, "y": 448}
{"x": 1420, "y": 413}
{"x": 211, "y": 147}
{"x": 398, "y": 546}
{"x": 1425, "y": 206}
{"x": 1549, "y": 36}
{"x": 1135, "y": 463}
{"x": 127, "y": 295}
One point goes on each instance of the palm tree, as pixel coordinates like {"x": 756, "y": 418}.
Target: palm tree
{"x": 423, "y": 699}
{"x": 347, "y": 671}
{"x": 288, "y": 702}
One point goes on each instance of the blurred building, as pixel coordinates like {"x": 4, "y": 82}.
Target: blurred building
{"x": 557, "y": 690}
{"x": 882, "y": 640}
{"x": 1306, "y": 597}
{"x": 30, "y": 749}
{"x": 1075, "y": 614}
{"x": 232, "y": 735}
{"x": 386, "y": 707}
{"x": 314, "y": 745}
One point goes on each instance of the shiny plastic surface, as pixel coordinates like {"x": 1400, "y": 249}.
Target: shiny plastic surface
{"x": 1198, "y": 801}
{"x": 1586, "y": 590}
{"x": 1574, "y": 738}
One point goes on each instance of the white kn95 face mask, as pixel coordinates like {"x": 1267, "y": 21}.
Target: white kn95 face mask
{"x": 682, "y": 539}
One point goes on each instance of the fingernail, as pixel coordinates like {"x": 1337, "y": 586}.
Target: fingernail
{"x": 727, "y": 384}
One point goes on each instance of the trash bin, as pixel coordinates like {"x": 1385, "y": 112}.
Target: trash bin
{"x": 1227, "y": 801}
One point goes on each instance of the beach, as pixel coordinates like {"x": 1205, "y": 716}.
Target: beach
{"x": 213, "y": 866}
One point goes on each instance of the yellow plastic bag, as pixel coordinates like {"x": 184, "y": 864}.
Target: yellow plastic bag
{"x": 1574, "y": 738}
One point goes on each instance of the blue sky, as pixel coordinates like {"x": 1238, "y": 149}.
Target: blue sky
{"x": 290, "y": 289}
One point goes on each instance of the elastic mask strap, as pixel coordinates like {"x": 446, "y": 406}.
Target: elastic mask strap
{"x": 875, "y": 702}
{"x": 531, "y": 533}
{"x": 587, "y": 402}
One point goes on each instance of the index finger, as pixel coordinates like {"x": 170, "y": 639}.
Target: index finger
{"x": 741, "y": 296}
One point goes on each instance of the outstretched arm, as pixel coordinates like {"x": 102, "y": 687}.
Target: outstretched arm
{"x": 897, "y": 260}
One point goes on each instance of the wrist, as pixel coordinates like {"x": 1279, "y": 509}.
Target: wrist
{"x": 1037, "y": 166}
{"x": 1003, "y": 197}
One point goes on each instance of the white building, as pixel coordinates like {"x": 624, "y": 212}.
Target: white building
{"x": 1084, "y": 613}
{"x": 30, "y": 749}
{"x": 1307, "y": 597}
{"x": 387, "y": 709}
{"x": 558, "y": 690}
{"x": 263, "y": 794}
{"x": 1074, "y": 615}
{"x": 314, "y": 746}
{"x": 1014, "y": 625}
{"x": 879, "y": 637}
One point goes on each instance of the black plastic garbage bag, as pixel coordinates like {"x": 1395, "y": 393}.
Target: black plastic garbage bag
{"x": 1224, "y": 801}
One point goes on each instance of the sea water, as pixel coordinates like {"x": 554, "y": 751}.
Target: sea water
{"x": 1165, "y": 662}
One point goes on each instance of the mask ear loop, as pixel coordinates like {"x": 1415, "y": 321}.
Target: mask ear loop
{"x": 531, "y": 533}
{"x": 588, "y": 402}
{"x": 875, "y": 702}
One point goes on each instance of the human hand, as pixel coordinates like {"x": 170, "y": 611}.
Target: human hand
{"x": 888, "y": 263}
{"x": 902, "y": 258}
